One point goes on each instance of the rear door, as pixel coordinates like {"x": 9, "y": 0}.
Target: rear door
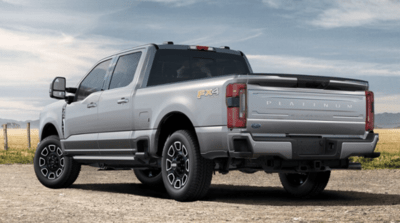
{"x": 115, "y": 111}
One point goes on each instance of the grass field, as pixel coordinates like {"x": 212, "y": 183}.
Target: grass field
{"x": 18, "y": 151}
{"x": 388, "y": 145}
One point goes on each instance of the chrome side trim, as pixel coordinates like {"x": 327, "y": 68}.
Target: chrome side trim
{"x": 103, "y": 158}
{"x": 350, "y": 148}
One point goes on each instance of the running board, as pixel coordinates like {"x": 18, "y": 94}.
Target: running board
{"x": 103, "y": 158}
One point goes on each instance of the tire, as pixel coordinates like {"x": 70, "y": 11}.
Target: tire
{"x": 185, "y": 173}
{"x": 305, "y": 185}
{"x": 149, "y": 177}
{"x": 52, "y": 168}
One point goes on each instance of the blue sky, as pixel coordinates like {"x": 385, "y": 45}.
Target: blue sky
{"x": 347, "y": 38}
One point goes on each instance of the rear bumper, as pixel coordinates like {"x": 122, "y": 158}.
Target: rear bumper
{"x": 244, "y": 145}
{"x": 220, "y": 142}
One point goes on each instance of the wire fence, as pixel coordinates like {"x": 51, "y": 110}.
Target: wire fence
{"x": 19, "y": 138}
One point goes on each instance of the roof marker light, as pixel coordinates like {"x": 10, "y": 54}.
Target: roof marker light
{"x": 168, "y": 43}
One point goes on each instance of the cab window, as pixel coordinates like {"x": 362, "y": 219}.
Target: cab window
{"x": 93, "y": 81}
{"x": 125, "y": 70}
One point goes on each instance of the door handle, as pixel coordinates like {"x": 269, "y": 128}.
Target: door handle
{"x": 123, "y": 100}
{"x": 91, "y": 105}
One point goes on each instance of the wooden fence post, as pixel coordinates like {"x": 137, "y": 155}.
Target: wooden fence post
{"x": 28, "y": 129}
{"x": 5, "y": 137}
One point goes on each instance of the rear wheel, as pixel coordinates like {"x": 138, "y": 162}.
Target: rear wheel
{"x": 150, "y": 177}
{"x": 52, "y": 168}
{"x": 305, "y": 185}
{"x": 185, "y": 173}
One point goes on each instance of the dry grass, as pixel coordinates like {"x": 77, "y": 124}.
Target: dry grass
{"x": 18, "y": 151}
{"x": 17, "y": 138}
{"x": 388, "y": 145}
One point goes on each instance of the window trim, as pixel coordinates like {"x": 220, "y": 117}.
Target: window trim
{"x": 96, "y": 64}
{"x": 107, "y": 84}
{"x": 153, "y": 56}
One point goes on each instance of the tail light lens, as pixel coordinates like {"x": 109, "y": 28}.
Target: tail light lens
{"x": 236, "y": 102}
{"x": 369, "y": 120}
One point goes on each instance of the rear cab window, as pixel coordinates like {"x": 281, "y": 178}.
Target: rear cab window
{"x": 125, "y": 70}
{"x": 171, "y": 66}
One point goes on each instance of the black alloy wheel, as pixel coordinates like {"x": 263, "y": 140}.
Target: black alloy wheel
{"x": 177, "y": 164}
{"x": 185, "y": 173}
{"x": 51, "y": 162}
{"x": 305, "y": 185}
{"x": 52, "y": 168}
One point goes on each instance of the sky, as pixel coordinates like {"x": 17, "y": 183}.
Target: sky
{"x": 42, "y": 39}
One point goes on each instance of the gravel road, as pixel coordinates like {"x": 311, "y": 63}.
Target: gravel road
{"x": 117, "y": 196}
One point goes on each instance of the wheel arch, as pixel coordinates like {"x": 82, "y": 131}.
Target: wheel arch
{"x": 170, "y": 123}
{"x": 48, "y": 130}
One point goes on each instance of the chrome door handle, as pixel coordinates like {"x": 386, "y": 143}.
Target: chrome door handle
{"x": 91, "y": 105}
{"x": 123, "y": 100}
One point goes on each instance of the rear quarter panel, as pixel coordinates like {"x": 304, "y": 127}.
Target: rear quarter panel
{"x": 183, "y": 97}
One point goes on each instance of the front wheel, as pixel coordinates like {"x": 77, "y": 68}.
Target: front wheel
{"x": 52, "y": 168}
{"x": 185, "y": 173}
{"x": 305, "y": 185}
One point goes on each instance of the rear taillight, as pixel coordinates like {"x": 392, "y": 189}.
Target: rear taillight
{"x": 236, "y": 102}
{"x": 369, "y": 120}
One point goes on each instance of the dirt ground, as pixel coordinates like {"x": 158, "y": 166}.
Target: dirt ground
{"x": 117, "y": 196}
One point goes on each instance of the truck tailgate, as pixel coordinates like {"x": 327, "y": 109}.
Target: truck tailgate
{"x": 306, "y": 111}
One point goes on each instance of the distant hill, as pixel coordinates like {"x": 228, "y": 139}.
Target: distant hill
{"x": 21, "y": 124}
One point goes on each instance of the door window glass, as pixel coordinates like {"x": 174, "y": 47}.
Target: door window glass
{"x": 93, "y": 81}
{"x": 125, "y": 70}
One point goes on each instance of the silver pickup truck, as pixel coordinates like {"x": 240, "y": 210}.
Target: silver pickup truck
{"x": 177, "y": 113}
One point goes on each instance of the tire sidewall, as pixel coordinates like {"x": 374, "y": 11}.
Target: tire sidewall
{"x": 299, "y": 189}
{"x": 150, "y": 181}
{"x": 303, "y": 190}
{"x": 67, "y": 162}
{"x": 179, "y": 193}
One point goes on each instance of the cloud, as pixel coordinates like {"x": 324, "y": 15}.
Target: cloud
{"x": 308, "y": 65}
{"x": 358, "y": 13}
{"x": 51, "y": 54}
{"x": 177, "y": 3}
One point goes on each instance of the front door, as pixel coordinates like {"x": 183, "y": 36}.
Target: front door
{"x": 81, "y": 118}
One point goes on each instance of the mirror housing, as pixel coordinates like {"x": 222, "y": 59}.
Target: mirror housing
{"x": 57, "y": 88}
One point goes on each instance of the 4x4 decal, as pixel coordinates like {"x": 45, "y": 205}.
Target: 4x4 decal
{"x": 207, "y": 92}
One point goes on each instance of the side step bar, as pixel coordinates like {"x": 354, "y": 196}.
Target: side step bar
{"x": 103, "y": 157}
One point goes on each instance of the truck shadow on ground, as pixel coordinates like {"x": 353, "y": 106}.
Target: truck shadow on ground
{"x": 274, "y": 196}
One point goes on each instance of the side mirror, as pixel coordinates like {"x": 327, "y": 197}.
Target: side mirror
{"x": 57, "y": 88}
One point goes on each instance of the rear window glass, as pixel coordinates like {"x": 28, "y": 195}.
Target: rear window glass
{"x": 171, "y": 66}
